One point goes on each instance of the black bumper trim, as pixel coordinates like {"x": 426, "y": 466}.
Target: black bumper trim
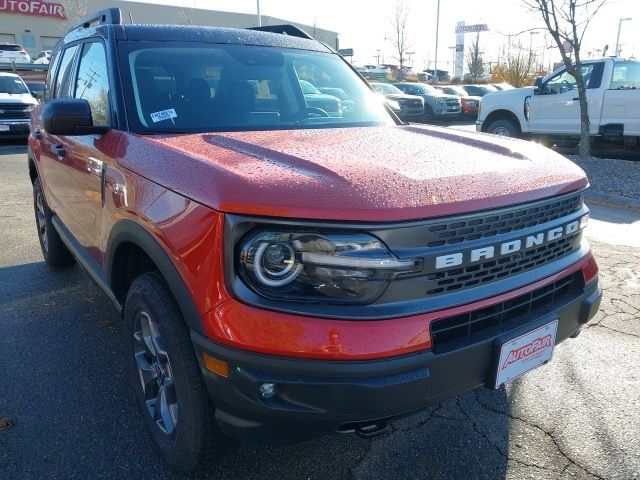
{"x": 316, "y": 397}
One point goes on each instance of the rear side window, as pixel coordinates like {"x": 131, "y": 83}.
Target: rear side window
{"x": 626, "y": 76}
{"x": 92, "y": 82}
{"x": 64, "y": 73}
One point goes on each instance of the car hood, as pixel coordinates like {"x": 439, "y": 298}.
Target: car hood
{"x": 401, "y": 96}
{"x": 385, "y": 173}
{"x": 19, "y": 98}
{"x": 508, "y": 94}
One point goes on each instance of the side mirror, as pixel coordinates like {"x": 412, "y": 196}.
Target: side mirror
{"x": 538, "y": 86}
{"x": 69, "y": 116}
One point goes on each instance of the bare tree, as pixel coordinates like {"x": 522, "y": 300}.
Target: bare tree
{"x": 188, "y": 15}
{"x": 75, "y": 10}
{"x": 567, "y": 22}
{"x": 518, "y": 68}
{"x": 399, "y": 39}
{"x": 475, "y": 60}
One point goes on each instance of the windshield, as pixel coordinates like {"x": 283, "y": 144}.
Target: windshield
{"x": 213, "y": 87}
{"x": 386, "y": 89}
{"x": 456, "y": 91}
{"x": 13, "y": 85}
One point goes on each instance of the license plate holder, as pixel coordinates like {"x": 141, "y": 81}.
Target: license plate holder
{"x": 519, "y": 354}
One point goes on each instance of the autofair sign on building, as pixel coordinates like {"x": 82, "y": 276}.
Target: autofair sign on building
{"x": 33, "y": 7}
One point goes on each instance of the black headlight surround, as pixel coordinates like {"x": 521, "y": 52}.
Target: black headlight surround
{"x": 406, "y": 295}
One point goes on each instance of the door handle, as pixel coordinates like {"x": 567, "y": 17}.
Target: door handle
{"x": 58, "y": 150}
{"x": 37, "y": 134}
{"x": 576, "y": 98}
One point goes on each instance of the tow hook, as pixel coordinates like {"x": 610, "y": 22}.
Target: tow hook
{"x": 371, "y": 429}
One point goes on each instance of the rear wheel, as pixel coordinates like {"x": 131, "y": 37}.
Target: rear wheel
{"x": 428, "y": 113}
{"x": 55, "y": 252}
{"x": 504, "y": 128}
{"x": 165, "y": 374}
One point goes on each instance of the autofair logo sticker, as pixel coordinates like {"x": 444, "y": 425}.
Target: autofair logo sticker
{"x": 33, "y": 7}
{"x": 530, "y": 350}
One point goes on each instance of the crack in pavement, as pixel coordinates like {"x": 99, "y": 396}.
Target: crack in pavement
{"x": 550, "y": 435}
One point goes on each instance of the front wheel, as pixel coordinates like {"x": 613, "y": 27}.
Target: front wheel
{"x": 504, "y": 128}
{"x": 165, "y": 375}
{"x": 55, "y": 252}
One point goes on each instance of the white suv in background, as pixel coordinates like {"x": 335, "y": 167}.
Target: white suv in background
{"x": 12, "y": 52}
{"x": 43, "y": 58}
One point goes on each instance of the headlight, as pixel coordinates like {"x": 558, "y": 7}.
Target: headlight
{"x": 393, "y": 104}
{"x": 29, "y": 108}
{"x": 306, "y": 266}
{"x": 439, "y": 102}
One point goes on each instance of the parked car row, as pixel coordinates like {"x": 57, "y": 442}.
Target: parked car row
{"x": 14, "y": 53}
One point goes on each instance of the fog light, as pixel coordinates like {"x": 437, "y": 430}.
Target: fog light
{"x": 267, "y": 390}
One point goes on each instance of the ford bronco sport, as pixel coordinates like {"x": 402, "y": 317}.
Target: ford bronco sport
{"x": 283, "y": 273}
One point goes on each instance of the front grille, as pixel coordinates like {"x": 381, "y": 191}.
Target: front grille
{"x": 411, "y": 104}
{"x": 456, "y": 231}
{"x": 13, "y": 110}
{"x": 503, "y": 267}
{"x": 450, "y": 333}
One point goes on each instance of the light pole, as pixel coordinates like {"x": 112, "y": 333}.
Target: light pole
{"x": 618, "y": 37}
{"x": 258, "y": 13}
{"x": 435, "y": 61}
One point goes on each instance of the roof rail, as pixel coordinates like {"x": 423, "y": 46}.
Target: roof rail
{"x": 285, "y": 29}
{"x": 109, "y": 16}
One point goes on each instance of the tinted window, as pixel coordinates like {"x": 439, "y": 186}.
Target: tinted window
{"x": 209, "y": 87}
{"x": 92, "y": 82}
{"x": 10, "y": 48}
{"x": 64, "y": 73}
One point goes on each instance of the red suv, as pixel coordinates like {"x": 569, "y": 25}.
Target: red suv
{"x": 283, "y": 272}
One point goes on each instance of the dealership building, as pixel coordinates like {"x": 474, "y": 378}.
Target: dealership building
{"x": 37, "y": 25}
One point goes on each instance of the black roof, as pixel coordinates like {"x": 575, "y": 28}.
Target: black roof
{"x": 206, "y": 34}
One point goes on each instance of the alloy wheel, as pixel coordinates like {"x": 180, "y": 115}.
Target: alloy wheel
{"x": 41, "y": 221}
{"x": 155, "y": 373}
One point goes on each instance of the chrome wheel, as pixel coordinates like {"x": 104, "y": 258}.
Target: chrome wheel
{"x": 502, "y": 132}
{"x": 41, "y": 221}
{"x": 155, "y": 373}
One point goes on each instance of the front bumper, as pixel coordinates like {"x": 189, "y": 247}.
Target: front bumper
{"x": 314, "y": 397}
{"x": 16, "y": 128}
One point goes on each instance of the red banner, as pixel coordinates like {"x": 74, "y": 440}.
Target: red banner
{"x": 33, "y": 7}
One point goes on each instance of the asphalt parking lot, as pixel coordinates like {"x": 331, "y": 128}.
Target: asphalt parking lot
{"x": 64, "y": 389}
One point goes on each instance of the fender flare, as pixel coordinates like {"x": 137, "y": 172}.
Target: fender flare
{"x": 127, "y": 231}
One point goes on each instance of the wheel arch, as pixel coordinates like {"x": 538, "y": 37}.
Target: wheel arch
{"x": 33, "y": 169}
{"x": 501, "y": 114}
{"x": 126, "y": 240}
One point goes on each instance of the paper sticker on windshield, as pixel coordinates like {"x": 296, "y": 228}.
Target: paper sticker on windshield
{"x": 163, "y": 115}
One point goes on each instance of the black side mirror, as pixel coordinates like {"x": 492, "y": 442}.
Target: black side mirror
{"x": 69, "y": 116}
{"x": 538, "y": 86}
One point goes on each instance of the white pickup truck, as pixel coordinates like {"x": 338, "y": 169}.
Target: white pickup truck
{"x": 551, "y": 110}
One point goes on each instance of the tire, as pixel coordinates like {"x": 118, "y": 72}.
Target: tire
{"x": 55, "y": 252}
{"x": 183, "y": 428}
{"x": 428, "y": 113}
{"x": 504, "y": 128}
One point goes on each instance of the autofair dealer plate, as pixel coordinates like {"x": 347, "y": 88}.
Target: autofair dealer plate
{"x": 526, "y": 352}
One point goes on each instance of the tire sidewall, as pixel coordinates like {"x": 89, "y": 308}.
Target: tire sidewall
{"x": 181, "y": 451}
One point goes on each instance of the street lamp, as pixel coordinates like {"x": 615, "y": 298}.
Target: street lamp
{"x": 435, "y": 61}
{"x": 618, "y": 37}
